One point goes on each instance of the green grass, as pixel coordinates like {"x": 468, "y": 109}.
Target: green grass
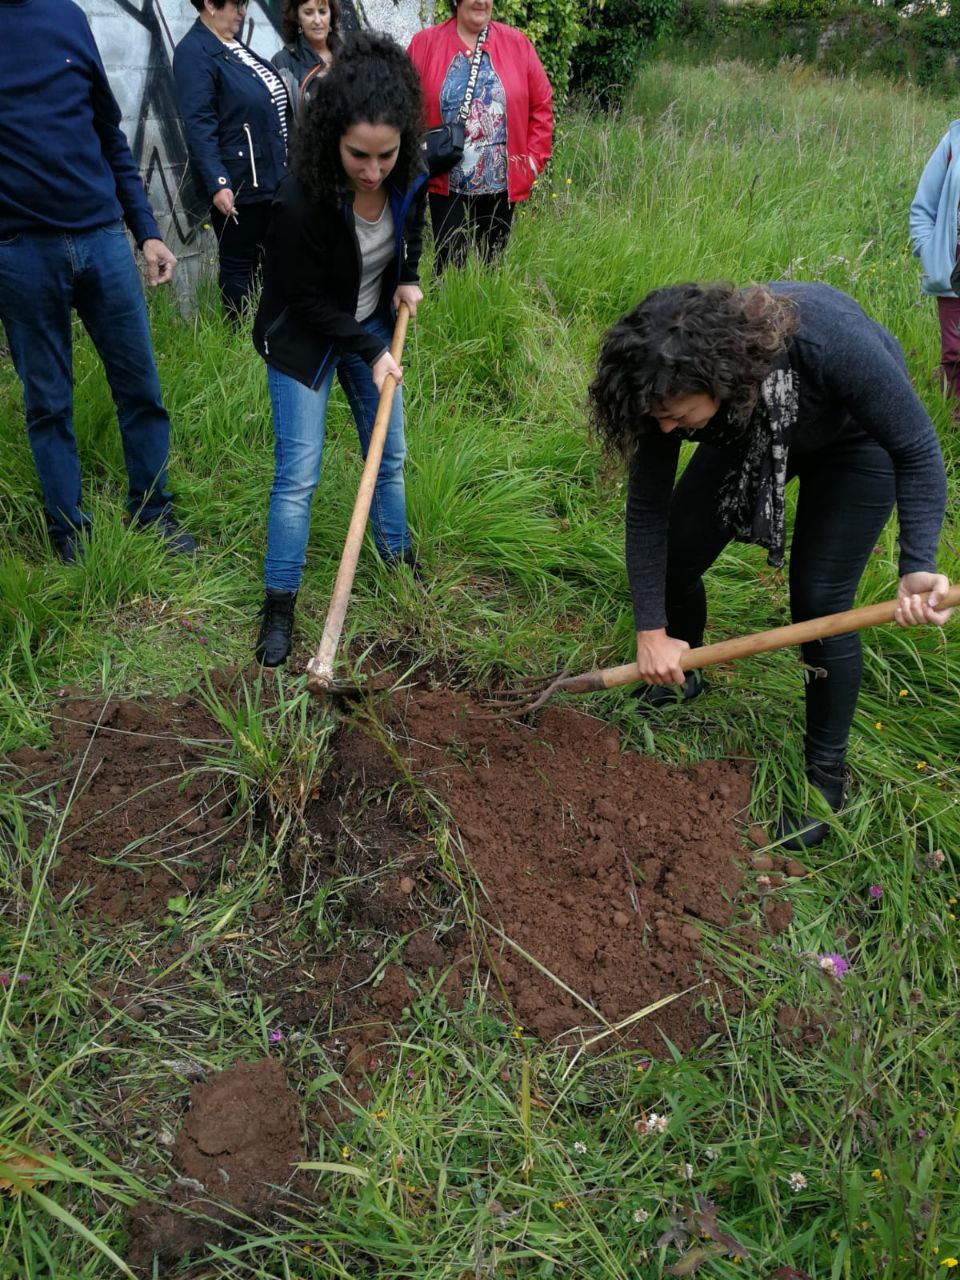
{"x": 720, "y": 171}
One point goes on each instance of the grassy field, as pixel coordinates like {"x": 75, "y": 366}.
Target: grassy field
{"x": 839, "y": 1161}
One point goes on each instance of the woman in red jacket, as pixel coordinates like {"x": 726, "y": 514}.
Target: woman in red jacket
{"x": 509, "y": 129}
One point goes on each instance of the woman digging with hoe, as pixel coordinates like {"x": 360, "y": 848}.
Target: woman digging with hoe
{"x": 772, "y": 382}
{"x": 342, "y": 253}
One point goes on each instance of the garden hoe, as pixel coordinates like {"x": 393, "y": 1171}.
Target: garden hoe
{"x": 536, "y": 691}
{"x": 320, "y": 679}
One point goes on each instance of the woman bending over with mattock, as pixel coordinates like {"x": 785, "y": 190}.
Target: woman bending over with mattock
{"x": 773, "y": 382}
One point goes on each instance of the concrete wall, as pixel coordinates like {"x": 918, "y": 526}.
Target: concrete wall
{"x": 137, "y": 38}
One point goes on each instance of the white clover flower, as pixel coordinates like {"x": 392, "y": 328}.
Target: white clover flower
{"x": 710, "y": 1153}
{"x": 640, "y": 1216}
{"x": 685, "y": 1171}
{"x": 580, "y": 1148}
{"x": 796, "y": 1181}
{"x": 656, "y": 1123}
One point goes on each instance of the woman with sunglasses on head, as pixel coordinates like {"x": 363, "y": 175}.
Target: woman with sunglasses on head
{"x": 342, "y": 254}
{"x": 771, "y": 382}
{"x": 311, "y": 38}
{"x": 236, "y": 116}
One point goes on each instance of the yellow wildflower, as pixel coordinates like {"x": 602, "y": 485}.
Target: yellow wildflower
{"x": 877, "y": 1175}
{"x": 878, "y": 725}
{"x": 904, "y": 693}
{"x": 921, "y": 765}
{"x": 344, "y": 1153}
{"x": 949, "y": 1262}
{"x": 559, "y": 1204}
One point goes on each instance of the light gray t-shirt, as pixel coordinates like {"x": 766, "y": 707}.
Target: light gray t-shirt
{"x": 376, "y": 251}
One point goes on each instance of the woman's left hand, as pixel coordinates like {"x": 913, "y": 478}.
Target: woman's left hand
{"x": 411, "y": 294}
{"x": 911, "y": 610}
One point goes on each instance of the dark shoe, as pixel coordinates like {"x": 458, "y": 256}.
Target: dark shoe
{"x": 406, "y": 558}
{"x": 68, "y": 546}
{"x": 650, "y": 697}
{"x": 276, "y": 627}
{"x": 174, "y": 538}
{"x": 806, "y": 832}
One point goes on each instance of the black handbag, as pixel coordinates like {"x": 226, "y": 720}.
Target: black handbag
{"x": 443, "y": 146}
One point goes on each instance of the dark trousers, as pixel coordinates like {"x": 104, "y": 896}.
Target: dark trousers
{"x": 948, "y": 311}
{"x": 846, "y": 495}
{"x": 240, "y": 246}
{"x": 458, "y": 221}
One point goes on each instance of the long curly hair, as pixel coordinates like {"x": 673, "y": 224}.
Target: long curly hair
{"x": 686, "y": 339}
{"x": 290, "y": 23}
{"x": 372, "y": 81}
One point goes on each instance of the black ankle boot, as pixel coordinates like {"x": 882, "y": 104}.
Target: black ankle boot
{"x": 276, "y": 627}
{"x": 651, "y": 697}
{"x": 805, "y": 832}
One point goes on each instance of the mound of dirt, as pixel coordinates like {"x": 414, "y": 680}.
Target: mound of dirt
{"x": 235, "y": 1153}
{"x": 597, "y": 866}
{"x": 144, "y": 818}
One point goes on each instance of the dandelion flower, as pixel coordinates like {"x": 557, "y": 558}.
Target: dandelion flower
{"x": 833, "y": 964}
{"x": 950, "y": 1262}
{"x": 640, "y": 1216}
{"x": 796, "y": 1181}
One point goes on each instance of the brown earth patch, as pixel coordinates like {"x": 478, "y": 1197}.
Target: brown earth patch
{"x": 234, "y": 1155}
{"x": 144, "y": 817}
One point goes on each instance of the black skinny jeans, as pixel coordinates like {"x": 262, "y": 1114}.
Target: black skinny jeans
{"x": 846, "y": 495}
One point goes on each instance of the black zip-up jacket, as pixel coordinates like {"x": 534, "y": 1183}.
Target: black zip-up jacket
{"x": 311, "y": 278}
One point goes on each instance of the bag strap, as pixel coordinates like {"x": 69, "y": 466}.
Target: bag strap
{"x": 472, "y": 80}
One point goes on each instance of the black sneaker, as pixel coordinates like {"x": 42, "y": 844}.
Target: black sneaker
{"x": 175, "y": 539}
{"x": 806, "y": 831}
{"x": 651, "y": 697}
{"x": 407, "y": 558}
{"x": 276, "y": 627}
{"x": 69, "y": 546}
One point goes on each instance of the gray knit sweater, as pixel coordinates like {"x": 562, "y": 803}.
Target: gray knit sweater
{"x": 851, "y": 374}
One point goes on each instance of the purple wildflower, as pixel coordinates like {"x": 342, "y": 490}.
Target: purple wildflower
{"x": 275, "y": 1036}
{"x": 185, "y": 622}
{"x": 203, "y": 639}
{"x": 876, "y": 892}
{"x": 4, "y": 979}
{"x": 833, "y": 964}
{"x": 919, "y": 1135}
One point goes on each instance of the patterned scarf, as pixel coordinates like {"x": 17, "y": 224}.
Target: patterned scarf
{"x": 751, "y": 500}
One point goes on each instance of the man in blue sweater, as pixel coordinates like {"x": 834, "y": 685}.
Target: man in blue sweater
{"x": 68, "y": 187}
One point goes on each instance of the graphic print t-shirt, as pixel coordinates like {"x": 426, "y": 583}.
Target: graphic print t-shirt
{"x": 483, "y": 168}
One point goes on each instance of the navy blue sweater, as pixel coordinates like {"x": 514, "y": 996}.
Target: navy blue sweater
{"x": 65, "y": 164}
{"x": 851, "y": 376}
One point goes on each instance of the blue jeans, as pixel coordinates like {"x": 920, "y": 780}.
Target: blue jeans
{"x": 299, "y": 424}
{"x": 43, "y": 274}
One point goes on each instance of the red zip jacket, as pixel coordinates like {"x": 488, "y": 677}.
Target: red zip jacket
{"x": 525, "y": 85}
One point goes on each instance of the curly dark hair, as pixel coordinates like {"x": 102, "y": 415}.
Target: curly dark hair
{"x": 686, "y": 339}
{"x": 290, "y": 23}
{"x": 372, "y": 81}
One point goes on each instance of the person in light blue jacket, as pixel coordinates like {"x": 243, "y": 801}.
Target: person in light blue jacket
{"x": 934, "y": 234}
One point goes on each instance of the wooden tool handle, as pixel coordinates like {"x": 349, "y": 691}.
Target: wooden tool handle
{"x": 833, "y": 624}
{"x": 320, "y": 666}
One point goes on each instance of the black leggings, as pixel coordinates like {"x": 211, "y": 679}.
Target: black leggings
{"x": 456, "y": 220}
{"x": 846, "y": 495}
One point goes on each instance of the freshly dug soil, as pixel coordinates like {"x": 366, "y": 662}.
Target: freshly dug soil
{"x": 601, "y": 866}
{"x": 236, "y": 1151}
{"x": 144, "y": 816}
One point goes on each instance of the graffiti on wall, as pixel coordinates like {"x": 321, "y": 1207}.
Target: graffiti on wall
{"x": 137, "y": 39}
